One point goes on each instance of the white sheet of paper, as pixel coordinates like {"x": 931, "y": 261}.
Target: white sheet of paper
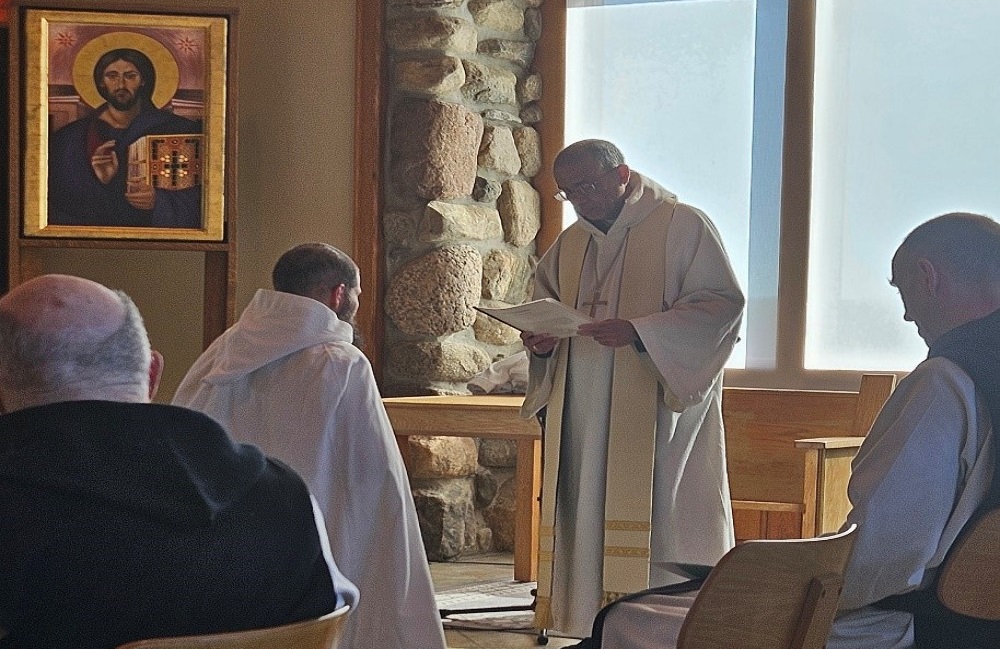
{"x": 545, "y": 316}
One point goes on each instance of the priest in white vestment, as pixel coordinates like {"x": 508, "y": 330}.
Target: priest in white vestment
{"x": 287, "y": 378}
{"x": 927, "y": 463}
{"x": 634, "y": 450}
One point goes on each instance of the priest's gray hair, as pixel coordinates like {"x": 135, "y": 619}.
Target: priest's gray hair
{"x": 606, "y": 154}
{"x": 309, "y": 268}
{"x": 66, "y": 365}
{"x": 968, "y": 244}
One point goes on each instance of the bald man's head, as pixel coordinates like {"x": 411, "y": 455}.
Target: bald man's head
{"x": 65, "y": 338}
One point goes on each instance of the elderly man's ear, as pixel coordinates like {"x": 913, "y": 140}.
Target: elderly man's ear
{"x": 155, "y": 373}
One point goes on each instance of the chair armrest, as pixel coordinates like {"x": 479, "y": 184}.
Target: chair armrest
{"x": 830, "y": 442}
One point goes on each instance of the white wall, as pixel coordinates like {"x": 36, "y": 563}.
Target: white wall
{"x": 296, "y": 97}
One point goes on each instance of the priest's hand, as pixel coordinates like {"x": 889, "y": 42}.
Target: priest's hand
{"x": 610, "y": 333}
{"x": 539, "y": 344}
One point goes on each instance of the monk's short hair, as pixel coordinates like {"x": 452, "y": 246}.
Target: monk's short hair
{"x": 30, "y": 360}
{"x": 968, "y": 244}
{"x": 606, "y": 154}
{"x": 311, "y": 266}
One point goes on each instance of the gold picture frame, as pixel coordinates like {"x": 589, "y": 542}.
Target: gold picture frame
{"x": 124, "y": 121}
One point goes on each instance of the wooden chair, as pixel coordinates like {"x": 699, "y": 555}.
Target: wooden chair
{"x": 969, "y": 577}
{"x": 321, "y": 633}
{"x": 770, "y": 594}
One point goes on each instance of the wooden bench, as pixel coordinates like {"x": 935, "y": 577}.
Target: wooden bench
{"x": 789, "y": 454}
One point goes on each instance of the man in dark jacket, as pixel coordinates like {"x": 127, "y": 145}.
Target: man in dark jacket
{"x": 121, "y": 519}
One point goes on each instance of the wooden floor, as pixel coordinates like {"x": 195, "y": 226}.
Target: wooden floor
{"x": 478, "y": 570}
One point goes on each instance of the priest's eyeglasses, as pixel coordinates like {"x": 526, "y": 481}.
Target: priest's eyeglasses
{"x": 582, "y": 189}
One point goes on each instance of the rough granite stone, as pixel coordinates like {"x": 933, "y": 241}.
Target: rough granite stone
{"x": 498, "y": 273}
{"x": 435, "y": 148}
{"x": 434, "y": 295}
{"x": 489, "y": 85}
{"x": 485, "y": 190}
{"x": 498, "y": 151}
{"x": 438, "y": 361}
{"x": 497, "y": 115}
{"x": 434, "y": 32}
{"x": 517, "y": 52}
{"x": 498, "y": 453}
{"x": 400, "y": 227}
{"x": 438, "y": 76}
{"x": 520, "y": 211}
{"x": 491, "y": 331}
{"x": 533, "y": 24}
{"x": 501, "y": 15}
{"x": 529, "y": 148}
{"x": 440, "y": 457}
{"x": 487, "y": 486}
{"x": 530, "y": 88}
{"x": 446, "y": 515}
{"x": 450, "y": 221}
{"x": 531, "y": 114}
{"x": 500, "y": 516}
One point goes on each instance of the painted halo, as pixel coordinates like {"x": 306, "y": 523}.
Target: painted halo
{"x": 167, "y": 74}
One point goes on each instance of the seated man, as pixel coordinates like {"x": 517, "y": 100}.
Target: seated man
{"x": 288, "y": 378}
{"x": 121, "y": 519}
{"x": 928, "y": 461}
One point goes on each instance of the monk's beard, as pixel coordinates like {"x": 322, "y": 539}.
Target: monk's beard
{"x": 348, "y": 316}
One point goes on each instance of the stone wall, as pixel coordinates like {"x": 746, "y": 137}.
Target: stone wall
{"x": 459, "y": 225}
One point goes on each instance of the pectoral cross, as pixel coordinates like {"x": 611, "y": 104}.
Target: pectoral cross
{"x": 595, "y": 303}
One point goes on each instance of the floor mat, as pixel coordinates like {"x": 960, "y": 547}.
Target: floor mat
{"x": 487, "y": 597}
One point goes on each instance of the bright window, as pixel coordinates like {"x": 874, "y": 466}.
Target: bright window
{"x": 906, "y": 127}
{"x": 691, "y": 91}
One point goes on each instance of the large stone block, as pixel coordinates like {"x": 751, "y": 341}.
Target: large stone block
{"x": 498, "y": 151}
{"x": 498, "y": 453}
{"x": 517, "y": 52}
{"x": 533, "y": 24}
{"x": 433, "y": 32}
{"x": 520, "y": 212}
{"x": 435, "y": 149}
{"x": 529, "y": 148}
{"x": 498, "y": 272}
{"x": 440, "y": 457}
{"x": 491, "y": 331}
{"x": 435, "y": 295}
{"x": 435, "y": 361}
{"x": 489, "y": 85}
{"x": 439, "y": 76}
{"x": 447, "y": 517}
{"x": 485, "y": 190}
{"x": 506, "y": 276}
{"x": 531, "y": 114}
{"x": 530, "y": 88}
{"x": 501, "y": 15}
{"x": 499, "y": 516}
{"x": 450, "y": 221}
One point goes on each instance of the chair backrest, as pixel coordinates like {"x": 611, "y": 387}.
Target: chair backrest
{"x": 778, "y": 594}
{"x": 967, "y": 583}
{"x": 321, "y": 633}
{"x": 874, "y": 391}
